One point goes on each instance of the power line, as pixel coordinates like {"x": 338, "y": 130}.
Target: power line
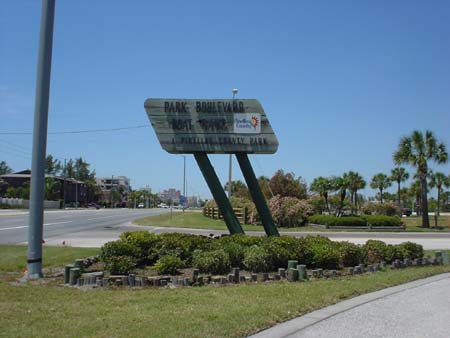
{"x": 79, "y": 131}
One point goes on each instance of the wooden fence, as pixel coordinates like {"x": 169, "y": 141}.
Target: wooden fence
{"x": 214, "y": 213}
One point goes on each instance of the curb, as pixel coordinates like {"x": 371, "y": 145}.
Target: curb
{"x": 294, "y": 326}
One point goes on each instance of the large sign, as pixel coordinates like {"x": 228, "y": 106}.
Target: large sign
{"x": 211, "y": 126}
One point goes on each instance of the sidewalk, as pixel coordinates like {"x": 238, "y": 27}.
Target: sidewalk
{"x": 418, "y": 309}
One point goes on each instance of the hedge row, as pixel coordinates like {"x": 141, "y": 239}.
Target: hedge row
{"x": 169, "y": 252}
{"x": 356, "y": 221}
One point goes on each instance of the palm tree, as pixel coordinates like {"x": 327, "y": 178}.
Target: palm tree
{"x": 355, "y": 182}
{"x": 380, "y": 181}
{"x": 416, "y": 150}
{"x": 340, "y": 185}
{"x": 399, "y": 175}
{"x": 439, "y": 180}
{"x": 322, "y": 186}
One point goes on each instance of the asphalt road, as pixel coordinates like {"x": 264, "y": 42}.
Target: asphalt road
{"x": 93, "y": 228}
{"x": 68, "y": 224}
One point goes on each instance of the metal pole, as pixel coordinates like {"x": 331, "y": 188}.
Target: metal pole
{"x": 35, "y": 229}
{"x": 64, "y": 186}
{"x": 184, "y": 180}
{"x": 76, "y": 194}
{"x": 112, "y": 186}
{"x": 230, "y": 159}
{"x": 218, "y": 193}
{"x": 257, "y": 195}
{"x": 184, "y": 176}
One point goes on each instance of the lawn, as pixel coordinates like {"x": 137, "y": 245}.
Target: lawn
{"x": 45, "y": 309}
{"x": 196, "y": 220}
{"x": 414, "y": 223}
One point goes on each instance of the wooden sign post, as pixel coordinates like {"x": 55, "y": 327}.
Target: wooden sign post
{"x": 217, "y": 126}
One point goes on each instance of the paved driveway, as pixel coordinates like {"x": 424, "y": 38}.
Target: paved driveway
{"x": 419, "y": 309}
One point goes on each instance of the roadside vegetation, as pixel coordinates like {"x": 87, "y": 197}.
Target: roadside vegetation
{"x": 230, "y": 311}
{"x": 195, "y": 220}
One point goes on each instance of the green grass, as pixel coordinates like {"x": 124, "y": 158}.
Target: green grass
{"x": 414, "y": 224}
{"x": 196, "y": 220}
{"x": 45, "y": 309}
{"x": 14, "y": 257}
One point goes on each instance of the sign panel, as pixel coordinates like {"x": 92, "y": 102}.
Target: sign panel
{"x": 213, "y": 126}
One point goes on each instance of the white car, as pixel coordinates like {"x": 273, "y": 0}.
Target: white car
{"x": 140, "y": 205}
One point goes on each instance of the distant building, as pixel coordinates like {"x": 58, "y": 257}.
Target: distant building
{"x": 120, "y": 187}
{"x": 68, "y": 188}
{"x": 192, "y": 201}
{"x": 170, "y": 196}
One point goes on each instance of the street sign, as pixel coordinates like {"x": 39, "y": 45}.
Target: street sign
{"x": 214, "y": 126}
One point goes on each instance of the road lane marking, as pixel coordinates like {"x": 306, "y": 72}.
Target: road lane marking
{"x": 26, "y": 226}
{"x": 90, "y": 219}
{"x": 21, "y": 227}
{"x": 58, "y": 223}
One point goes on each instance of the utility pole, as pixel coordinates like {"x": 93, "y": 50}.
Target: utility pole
{"x": 111, "y": 190}
{"x": 64, "y": 185}
{"x": 184, "y": 181}
{"x": 76, "y": 194}
{"x": 36, "y": 220}
{"x": 230, "y": 160}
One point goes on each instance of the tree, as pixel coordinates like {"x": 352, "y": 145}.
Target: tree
{"x": 52, "y": 166}
{"x": 340, "y": 185}
{"x": 263, "y": 182}
{"x": 238, "y": 189}
{"x": 323, "y": 186}
{"x": 5, "y": 168}
{"x": 355, "y": 182}
{"x": 69, "y": 169}
{"x": 439, "y": 180}
{"x": 399, "y": 175}
{"x": 287, "y": 185}
{"x": 380, "y": 181}
{"x": 416, "y": 150}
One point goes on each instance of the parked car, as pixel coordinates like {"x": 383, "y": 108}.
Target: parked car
{"x": 406, "y": 211}
{"x": 93, "y": 205}
{"x": 140, "y": 205}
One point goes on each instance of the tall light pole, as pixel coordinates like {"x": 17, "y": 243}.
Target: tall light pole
{"x": 184, "y": 181}
{"x": 230, "y": 160}
{"x": 36, "y": 220}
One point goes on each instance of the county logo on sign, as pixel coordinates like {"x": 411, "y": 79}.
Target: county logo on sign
{"x": 247, "y": 123}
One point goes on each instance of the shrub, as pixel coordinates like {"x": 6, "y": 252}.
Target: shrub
{"x": 116, "y": 249}
{"x": 326, "y": 257}
{"x": 383, "y": 221}
{"x": 387, "y": 209}
{"x": 351, "y": 254}
{"x": 411, "y": 250}
{"x": 143, "y": 241}
{"x": 215, "y": 262}
{"x": 330, "y": 220}
{"x": 289, "y": 211}
{"x": 376, "y": 251}
{"x": 257, "y": 259}
{"x": 280, "y": 250}
{"x": 243, "y": 240}
{"x": 181, "y": 245}
{"x": 235, "y": 253}
{"x": 120, "y": 265}
{"x": 168, "y": 264}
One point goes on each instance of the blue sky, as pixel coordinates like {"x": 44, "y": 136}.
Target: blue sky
{"x": 341, "y": 81}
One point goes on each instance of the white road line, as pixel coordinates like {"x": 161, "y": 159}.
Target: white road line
{"x": 21, "y": 227}
{"x": 58, "y": 223}
{"x": 90, "y": 219}
{"x": 26, "y": 226}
